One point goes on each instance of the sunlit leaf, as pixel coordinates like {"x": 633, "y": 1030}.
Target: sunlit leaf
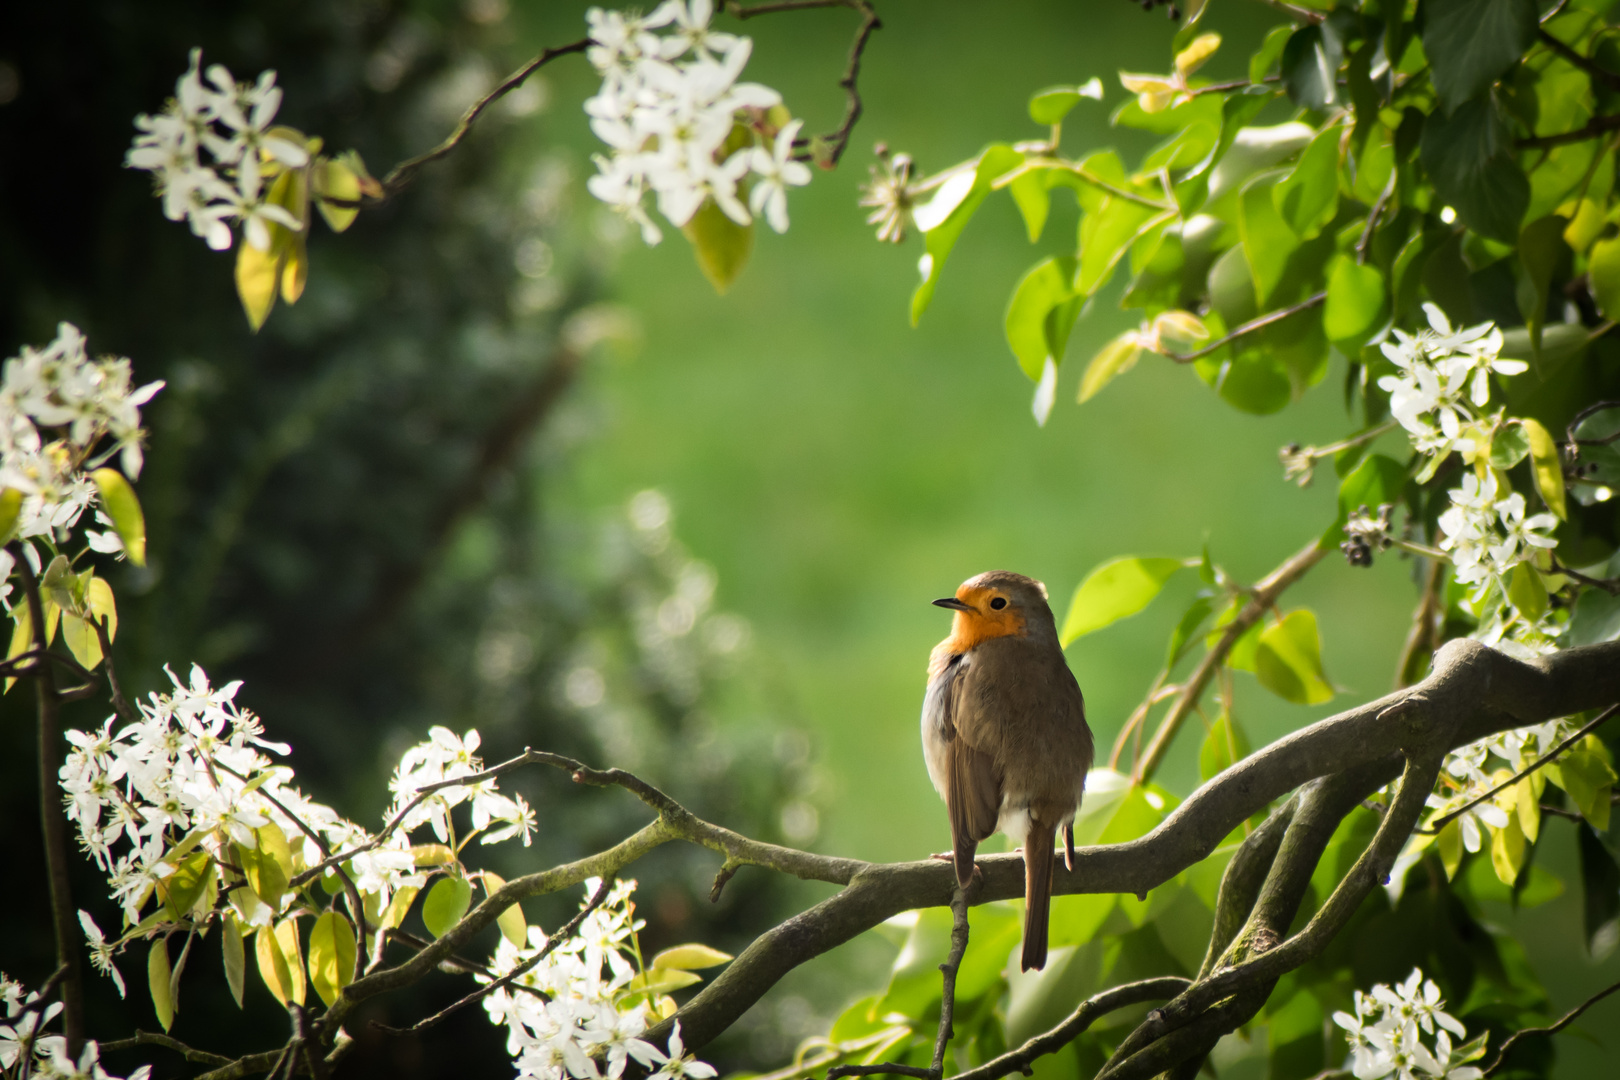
{"x": 118, "y": 499}
{"x": 158, "y": 981}
{"x": 1357, "y": 304}
{"x": 1224, "y": 746}
{"x": 1547, "y": 467}
{"x": 1041, "y": 314}
{"x": 691, "y": 957}
{"x": 1288, "y": 660}
{"x": 230, "y": 939}
{"x": 721, "y": 245}
{"x": 446, "y": 903}
{"x": 1112, "y": 360}
{"x": 1116, "y": 589}
{"x": 1308, "y": 196}
{"x": 514, "y": 927}
{"x": 332, "y": 954}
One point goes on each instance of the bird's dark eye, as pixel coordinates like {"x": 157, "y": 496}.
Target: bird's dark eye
{"x": 999, "y": 602}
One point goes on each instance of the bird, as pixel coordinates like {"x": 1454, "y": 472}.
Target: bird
{"x": 1005, "y": 737}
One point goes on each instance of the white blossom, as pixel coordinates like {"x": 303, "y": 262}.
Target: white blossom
{"x": 1387, "y": 1033}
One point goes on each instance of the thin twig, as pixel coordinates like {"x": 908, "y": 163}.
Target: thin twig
{"x": 566, "y": 932}
{"x": 154, "y": 1038}
{"x": 1552, "y": 1029}
{"x": 1259, "y": 323}
{"x": 402, "y": 174}
{"x": 1585, "y": 63}
{"x": 948, "y": 970}
{"x": 1372, "y": 217}
{"x": 1608, "y": 585}
{"x": 1598, "y": 125}
{"x": 1260, "y": 601}
{"x": 1445, "y": 819}
{"x": 1425, "y": 622}
{"x": 126, "y": 712}
{"x": 53, "y": 820}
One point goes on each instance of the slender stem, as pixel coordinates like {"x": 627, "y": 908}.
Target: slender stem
{"x": 53, "y": 821}
{"x": 1425, "y": 624}
{"x": 1585, "y": 63}
{"x": 1084, "y": 174}
{"x": 126, "y": 712}
{"x": 1372, "y": 217}
{"x": 1608, "y": 585}
{"x": 1264, "y": 596}
{"x": 1552, "y": 1029}
{"x": 1445, "y": 819}
{"x": 153, "y": 1038}
{"x": 1598, "y": 125}
{"x": 1259, "y": 323}
{"x": 948, "y": 970}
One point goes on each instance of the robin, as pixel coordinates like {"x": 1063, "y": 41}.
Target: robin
{"x": 1004, "y": 735}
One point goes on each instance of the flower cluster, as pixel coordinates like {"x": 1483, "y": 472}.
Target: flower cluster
{"x": 230, "y": 123}
{"x": 1488, "y": 535}
{"x": 57, "y": 405}
{"x": 1444, "y": 384}
{"x": 1388, "y": 1034}
{"x": 680, "y": 125}
{"x": 22, "y": 1040}
{"x": 443, "y": 758}
{"x": 176, "y": 805}
{"x": 567, "y": 1016}
{"x": 1468, "y": 774}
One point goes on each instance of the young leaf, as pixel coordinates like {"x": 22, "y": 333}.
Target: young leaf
{"x": 336, "y": 179}
{"x": 1509, "y": 446}
{"x": 1186, "y": 630}
{"x": 10, "y": 509}
{"x": 514, "y": 927}
{"x": 1114, "y": 590}
{"x": 721, "y": 245}
{"x": 1288, "y": 660}
{"x": 157, "y": 980}
{"x": 446, "y": 903}
{"x": 1051, "y": 105}
{"x": 258, "y": 274}
{"x": 1547, "y": 467}
{"x": 1112, "y": 360}
{"x": 118, "y": 499}
{"x": 1450, "y": 843}
{"x": 943, "y": 218}
{"x": 693, "y": 957}
{"x": 1603, "y": 269}
{"x": 1507, "y": 851}
{"x": 1526, "y": 592}
{"x": 331, "y": 955}
{"x": 230, "y": 940}
{"x": 1357, "y": 304}
{"x": 1041, "y": 314}
{"x": 1033, "y": 197}
{"x": 1308, "y": 197}
{"x": 1224, "y": 746}
{"x": 399, "y": 906}
{"x": 663, "y": 980}
{"x": 273, "y": 967}
{"x": 81, "y": 640}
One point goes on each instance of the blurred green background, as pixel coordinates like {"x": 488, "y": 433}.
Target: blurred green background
{"x": 835, "y": 467}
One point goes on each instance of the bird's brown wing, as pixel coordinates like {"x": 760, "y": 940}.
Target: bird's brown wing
{"x": 973, "y": 785}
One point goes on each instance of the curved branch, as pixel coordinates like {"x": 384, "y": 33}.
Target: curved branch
{"x": 1257, "y": 323}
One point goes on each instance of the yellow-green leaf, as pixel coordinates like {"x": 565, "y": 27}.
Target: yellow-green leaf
{"x": 335, "y": 179}
{"x": 10, "y": 509}
{"x": 1529, "y": 809}
{"x": 1451, "y": 847}
{"x": 118, "y": 499}
{"x": 294, "y": 270}
{"x": 103, "y": 605}
{"x": 432, "y": 854}
{"x": 1507, "y": 851}
{"x": 81, "y": 640}
{"x": 1192, "y": 58}
{"x": 446, "y": 903}
{"x": 332, "y": 953}
{"x": 663, "y": 980}
{"x": 257, "y": 274}
{"x": 1527, "y": 592}
{"x": 1288, "y": 660}
{"x": 1112, "y": 360}
{"x": 1224, "y": 746}
{"x": 158, "y": 981}
{"x": 1116, "y": 589}
{"x": 1603, "y": 271}
{"x": 230, "y": 940}
{"x": 1548, "y": 467}
{"x": 399, "y": 906}
{"x": 514, "y": 927}
{"x": 721, "y": 245}
{"x": 273, "y": 966}
{"x": 692, "y": 957}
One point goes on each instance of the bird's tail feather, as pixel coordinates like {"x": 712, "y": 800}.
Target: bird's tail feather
{"x": 1039, "y": 854}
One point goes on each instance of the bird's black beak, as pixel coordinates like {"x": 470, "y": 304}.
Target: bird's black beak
{"x": 953, "y": 603}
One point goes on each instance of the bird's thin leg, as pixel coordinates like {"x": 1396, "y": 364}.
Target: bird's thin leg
{"x": 1068, "y": 845}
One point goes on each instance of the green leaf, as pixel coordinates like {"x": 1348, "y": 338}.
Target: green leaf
{"x": 446, "y": 903}
{"x": 273, "y": 967}
{"x": 1308, "y": 197}
{"x": 1469, "y": 157}
{"x": 1603, "y": 268}
{"x": 399, "y": 906}
{"x": 81, "y": 640}
{"x": 1509, "y": 446}
{"x": 1472, "y": 43}
{"x": 335, "y": 178}
{"x": 1600, "y": 887}
{"x": 1589, "y": 778}
{"x": 514, "y": 927}
{"x": 1596, "y": 618}
{"x": 1547, "y": 467}
{"x": 691, "y": 957}
{"x": 158, "y": 981}
{"x": 1288, "y": 660}
{"x": 258, "y": 274}
{"x": 721, "y": 245}
{"x": 119, "y": 500}
{"x": 332, "y": 954}
{"x": 1310, "y": 66}
{"x": 1267, "y": 239}
{"x": 1357, "y": 304}
{"x": 1112, "y": 360}
{"x": 180, "y": 890}
{"x": 1526, "y": 592}
{"x": 1224, "y": 746}
{"x": 1041, "y": 314}
{"x": 10, "y": 509}
{"x": 1106, "y": 234}
{"x": 230, "y": 940}
{"x": 1483, "y": 884}
{"x": 1378, "y": 479}
{"x": 1114, "y": 590}
{"x": 963, "y": 198}
{"x": 663, "y": 980}
{"x": 1265, "y": 58}
{"x": 1507, "y": 851}
{"x": 1051, "y": 105}
{"x": 1450, "y": 843}
{"x": 1541, "y": 249}
{"x": 1186, "y": 631}
{"x": 1032, "y": 193}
